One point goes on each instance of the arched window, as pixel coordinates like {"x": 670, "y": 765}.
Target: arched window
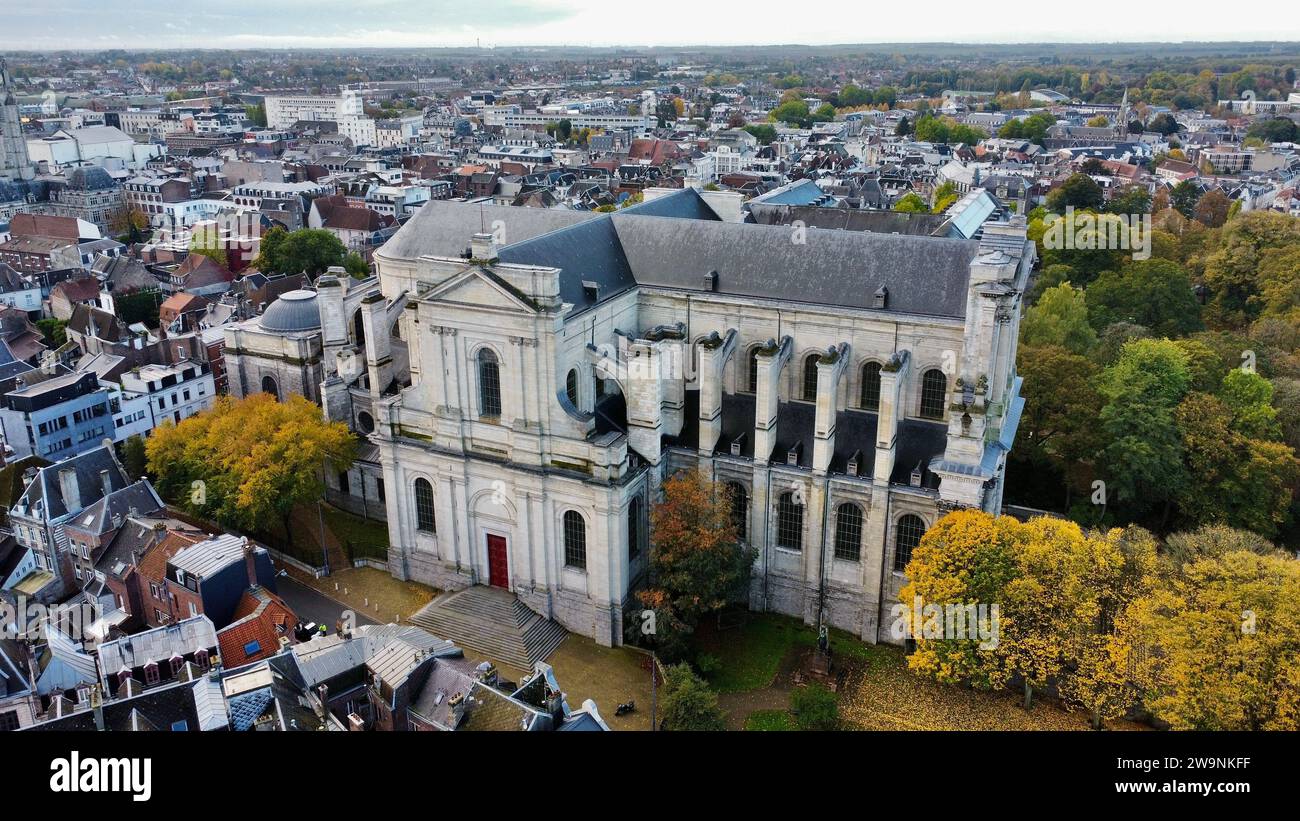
{"x": 359, "y": 329}
{"x": 907, "y": 535}
{"x": 934, "y": 391}
{"x": 739, "y": 508}
{"x": 489, "y": 383}
{"x": 789, "y": 522}
{"x": 269, "y": 386}
{"x": 424, "y": 518}
{"x": 871, "y": 386}
{"x": 848, "y": 532}
{"x": 571, "y": 386}
{"x": 633, "y": 529}
{"x": 575, "y": 540}
{"x": 810, "y": 378}
{"x": 752, "y": 379}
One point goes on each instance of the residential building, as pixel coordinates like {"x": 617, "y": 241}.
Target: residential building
{"x": 174, "y": 392}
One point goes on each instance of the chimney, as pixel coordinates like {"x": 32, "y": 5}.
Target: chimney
{"x": 69, "y": 490}
{"x": 483, "y": 246}
{"x": 97, "y": 704}
{"x": 250, "y": 562}
{"x": 105, "y": 482}
{"x": 555, "y": 705}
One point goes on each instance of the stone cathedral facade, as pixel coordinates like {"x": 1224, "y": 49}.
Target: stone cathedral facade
{"x": 529, "y": 377}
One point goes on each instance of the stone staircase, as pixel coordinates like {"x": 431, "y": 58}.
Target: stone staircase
{"x": 493, "y": 622}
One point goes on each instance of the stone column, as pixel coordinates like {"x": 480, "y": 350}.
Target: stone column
{"x": 379, "y": 359}
{"x": 772, "y": 358}
{"x": 830, "y": 367}
{"x": 644, "y": 400}
{"x": 714, "y": 354}
{"x": 894, "y": 378}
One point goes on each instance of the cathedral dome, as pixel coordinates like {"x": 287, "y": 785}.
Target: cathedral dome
{"x": 293, "y": 312}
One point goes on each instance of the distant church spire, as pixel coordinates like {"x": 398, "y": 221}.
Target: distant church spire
{"x": 14, "y": 161}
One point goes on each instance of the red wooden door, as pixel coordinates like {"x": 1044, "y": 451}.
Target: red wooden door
{"x": 498, "y": 572}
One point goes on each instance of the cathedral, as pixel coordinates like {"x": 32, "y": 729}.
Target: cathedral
{"x": 15, "y": 165}
{"x": 530, "y": 377}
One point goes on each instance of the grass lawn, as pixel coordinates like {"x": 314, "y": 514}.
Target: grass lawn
{"x": 348, "y": 527}
{"x": 750, "y": 654}
{"x": 757, "y": 660}
{"x": 770, "y": 720}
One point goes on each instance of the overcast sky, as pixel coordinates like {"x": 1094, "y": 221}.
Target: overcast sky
{"x": 99, "y": 24}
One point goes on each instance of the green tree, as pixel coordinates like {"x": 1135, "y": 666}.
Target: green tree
{"x": 765, "y": 134}
{"x": 1233, "y": 268}
{"x": 1032, "y": 128}
{"x": 1144, "y": 459}
{"x": 1131, "y": 200}
{"x": 1249, "y": 397}
{"x": 141, "y": 306}
{"x": 688, "y": 703}
{"x": 1155, "y": 293}
{"x": 1061, "y": 409}
{"x": 791, "y": 112}
{"x": 1060, "y": 317}
{"x": 53, "y": 331}
{"x": 1079, "y": 191}
{"x": 1232, "y": 478}
{"x": 309, "y": 250}
{"x": 815, "y": 707}
{"x": 356, "y": 265}
{"x": 134, "y": 458}
{"x": 1183, "y": 198}
{"x": 911, "y": 203}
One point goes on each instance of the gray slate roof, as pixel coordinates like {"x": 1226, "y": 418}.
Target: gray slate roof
{"x": 674, "y": 241}
{"x": 89, "y": 467}
{"x": 924, "y": 275}
{"x": 443, "y": 228}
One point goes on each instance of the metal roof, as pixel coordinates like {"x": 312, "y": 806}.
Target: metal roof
{"x": 294, "y": 311}
{"x": 207, "y": 557}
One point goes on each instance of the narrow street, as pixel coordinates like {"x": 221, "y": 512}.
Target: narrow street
{"x": 311, "y": 605}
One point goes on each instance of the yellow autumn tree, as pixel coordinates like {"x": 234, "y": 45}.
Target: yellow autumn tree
{"x": 967, "y": 558}
{"x": 1118, "y": 567}
{"x": 1218, "y": 644}
{"x": 1043, "y": 604}
{"x": 248, "y": 462}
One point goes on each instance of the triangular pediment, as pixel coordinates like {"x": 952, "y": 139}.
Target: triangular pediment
{"x": 478, "y": 286}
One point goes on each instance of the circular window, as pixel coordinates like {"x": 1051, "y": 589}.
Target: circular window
{"x": 366, "y": 422}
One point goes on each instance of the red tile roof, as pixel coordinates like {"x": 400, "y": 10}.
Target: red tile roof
{"x": 153, "y": 564}
{"x": 260, "y": 617}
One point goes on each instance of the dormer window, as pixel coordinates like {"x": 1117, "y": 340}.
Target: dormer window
{"x": 151, "y": 674}
{"x": 880, "y": 298}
